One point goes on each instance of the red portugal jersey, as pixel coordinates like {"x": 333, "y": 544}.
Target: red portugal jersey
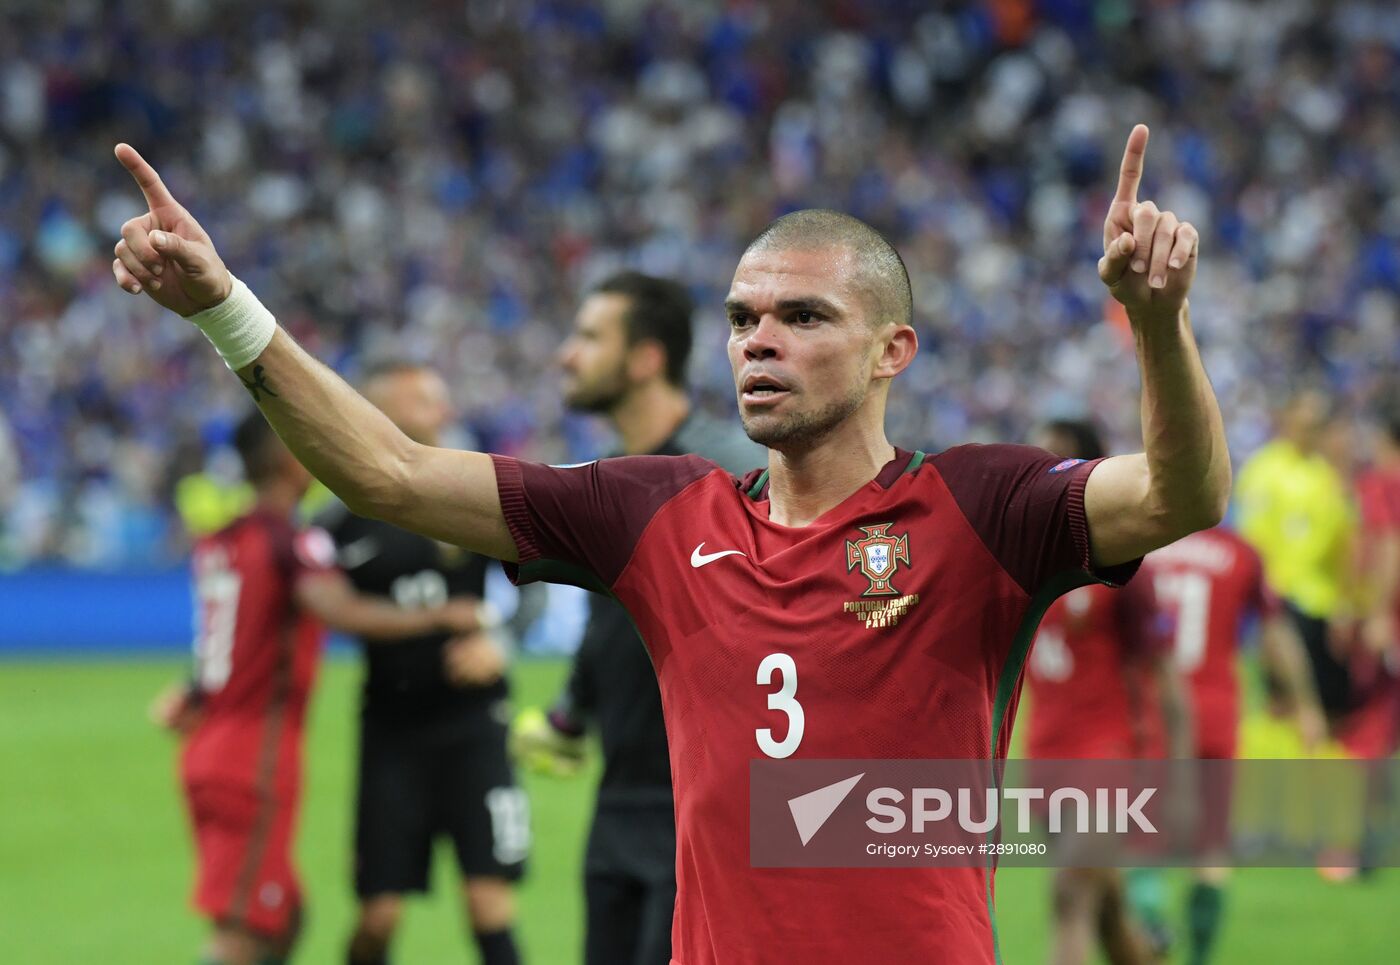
{"x": 894, "y": 626}
{"x": 1372, "y": 729}
{"x": 1378, "y": 492}
{"x": 1092, "y": 690}
{"x": 1213, "y": 583}
{"x": 255, "y": 651}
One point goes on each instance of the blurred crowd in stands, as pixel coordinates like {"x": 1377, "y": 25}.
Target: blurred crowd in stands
{"x": 443, "y": 179}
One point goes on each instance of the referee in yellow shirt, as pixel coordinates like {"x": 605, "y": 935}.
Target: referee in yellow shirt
{"x": 1295, "y": 508}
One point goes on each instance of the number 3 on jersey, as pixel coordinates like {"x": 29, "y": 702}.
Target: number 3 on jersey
{"x": 785, "y": 700}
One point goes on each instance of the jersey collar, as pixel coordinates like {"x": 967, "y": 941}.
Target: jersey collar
{"x": 755, "y": 484}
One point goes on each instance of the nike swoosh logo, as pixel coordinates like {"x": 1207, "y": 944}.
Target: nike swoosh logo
{"x": 699, "y": 559}
{"x": 358, "y": 553}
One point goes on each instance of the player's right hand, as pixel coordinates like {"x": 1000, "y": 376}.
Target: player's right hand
{"x": 174, "y": 709}
{"x": 539, "y": 747}
{"x": 164, "y": 252}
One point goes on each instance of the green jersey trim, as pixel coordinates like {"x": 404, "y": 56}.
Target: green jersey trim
{"x": 757, "y": 488}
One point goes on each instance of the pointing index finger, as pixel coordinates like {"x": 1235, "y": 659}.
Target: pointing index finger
{"x": 157, "y": 194}
{"x": 1130, "y": 174}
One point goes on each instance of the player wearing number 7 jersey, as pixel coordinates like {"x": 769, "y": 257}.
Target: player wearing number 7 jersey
{"x": 854, "y": 600}
{"x": 1213, "y": 583}
{"x": 263, "y": 590}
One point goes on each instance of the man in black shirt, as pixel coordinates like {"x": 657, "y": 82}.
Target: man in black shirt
{"x": 626, "y": 359}
{"x": 433, "y": 723}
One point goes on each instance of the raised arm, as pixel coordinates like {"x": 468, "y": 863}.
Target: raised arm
{"x": 1181, "y": 483}
{"x": 342, "y": 438}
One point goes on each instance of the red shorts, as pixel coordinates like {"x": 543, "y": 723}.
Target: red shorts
{"x": 244, "y": 842}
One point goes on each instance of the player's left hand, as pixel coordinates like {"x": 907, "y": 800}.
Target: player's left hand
{"x": 1149, "y": 255}
{"x": 474, "y": 660}
{"x": 174, "y": 710}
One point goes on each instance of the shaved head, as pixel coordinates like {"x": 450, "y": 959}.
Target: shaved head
{"x": 880, "y": 269}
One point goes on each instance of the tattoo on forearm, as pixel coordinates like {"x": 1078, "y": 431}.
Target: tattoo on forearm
{"x": 258, "y": 385}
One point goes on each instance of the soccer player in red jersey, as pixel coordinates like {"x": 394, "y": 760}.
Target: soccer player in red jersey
{"x": 1372, "y": 729}
{"x": 752, "y": 596}
{"x": 1102, "y": 686}
{"x": 1213, "y": 584}
{"x": 263, "y": 590}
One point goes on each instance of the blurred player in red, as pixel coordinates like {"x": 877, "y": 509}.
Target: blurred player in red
{"x": 263, "y": 590}
{"x": 1213, "y": 584}
{"x": 1369, "y": 729}
{"x": 1372, "y": 729}
{"x": 1102, "y": 686}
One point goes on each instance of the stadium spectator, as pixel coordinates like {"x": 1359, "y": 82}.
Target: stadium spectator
{"x": 490, "y": 161}
{"x": 9, "y": 487}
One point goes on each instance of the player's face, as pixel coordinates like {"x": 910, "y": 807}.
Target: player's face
{"x": 594, "y": 356}
{"x": 416, "y": 400}
{"x": 800, "y": 344}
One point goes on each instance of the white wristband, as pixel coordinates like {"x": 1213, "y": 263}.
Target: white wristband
{"x": 239, "y": 326}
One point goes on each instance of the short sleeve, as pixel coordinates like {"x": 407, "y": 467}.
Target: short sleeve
{"x": 580, "y": 524}
{"x": 1027, "y": 506}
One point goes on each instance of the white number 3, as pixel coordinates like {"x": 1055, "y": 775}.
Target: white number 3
{"x": 785, "y": 699}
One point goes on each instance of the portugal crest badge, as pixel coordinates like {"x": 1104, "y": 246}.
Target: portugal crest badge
{"x": 878, "y": 555}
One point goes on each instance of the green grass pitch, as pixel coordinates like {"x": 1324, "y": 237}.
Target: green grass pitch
{"x": 95, "y": 857}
